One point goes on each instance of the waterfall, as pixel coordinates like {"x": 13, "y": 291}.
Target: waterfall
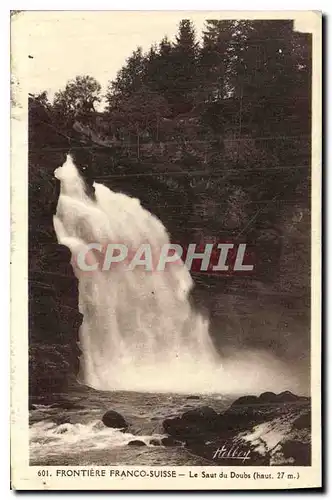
{"x": 139, "y": 331}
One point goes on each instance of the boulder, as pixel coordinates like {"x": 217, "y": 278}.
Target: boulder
{"x": 242, "y": 413}
{"x": 200, "y": 414}
{"x": 194, "y": 424}
{"x": 136, "y": 442}
{"x": 193, "y": 397}
{"x": 287, "y": 397}
{"x": 113, "y": 419}
{"x": 267, "y": 397}
{"x": 247, "y": 411}
{"x": 246, "y": 401}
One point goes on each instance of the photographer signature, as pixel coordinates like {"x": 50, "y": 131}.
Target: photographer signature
{"x": 234, "y": 453}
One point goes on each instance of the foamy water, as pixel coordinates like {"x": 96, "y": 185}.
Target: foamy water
{"x": 48, "y": 438}
{"x": 78, "y": 436}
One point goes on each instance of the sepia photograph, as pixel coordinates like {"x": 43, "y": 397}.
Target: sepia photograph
{"x": 169, "y": 219}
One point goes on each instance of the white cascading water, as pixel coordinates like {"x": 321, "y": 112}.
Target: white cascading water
{"x": 139, "y": 331}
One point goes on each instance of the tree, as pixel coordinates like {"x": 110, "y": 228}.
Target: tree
{"x": 129, "y": 79}
{"x": 214, "y": 59}
{"x": 77, "y": 101}
{"x": 160, "y": 68}
{"x": 184, "y": 81}
{"x": 266, "y": 76}
{"x": 165, "y": 47}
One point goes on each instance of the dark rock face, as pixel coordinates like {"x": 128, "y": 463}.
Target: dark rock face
{"x": 242, "y": 435}
{"x": 50, "y": 370}
{"x": 136, "y": 442}
{"x": 54, "y": 318}
{"x": 54, "y": 322}
{"x": 113, "y": 419}
{"x": 193, "y": 397}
